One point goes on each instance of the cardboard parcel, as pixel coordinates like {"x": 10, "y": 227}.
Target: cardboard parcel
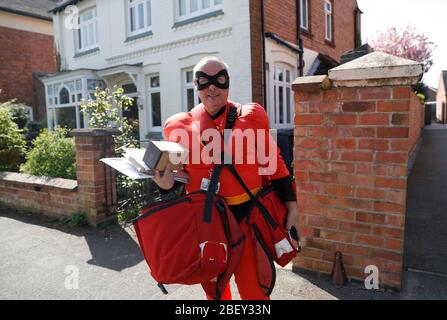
{"x": 142, "y": 163}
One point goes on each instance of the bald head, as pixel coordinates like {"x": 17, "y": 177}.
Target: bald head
{"x": 210, "y": 63}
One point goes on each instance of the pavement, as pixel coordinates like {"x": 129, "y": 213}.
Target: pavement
{"x": 40, "y": 258}
{"x": 426, "y": 217}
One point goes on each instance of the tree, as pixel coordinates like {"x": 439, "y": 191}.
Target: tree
{"x": 407, "y": 43}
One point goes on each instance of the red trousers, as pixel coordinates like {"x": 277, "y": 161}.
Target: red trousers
{"x": 245, "y": 275}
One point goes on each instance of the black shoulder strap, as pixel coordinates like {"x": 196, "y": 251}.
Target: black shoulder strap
{"x": 217, "y": 169}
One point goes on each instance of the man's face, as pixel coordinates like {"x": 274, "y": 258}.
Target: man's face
{"x": 212, "y": 97}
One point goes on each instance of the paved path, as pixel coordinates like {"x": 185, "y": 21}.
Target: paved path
{"x": 426, "y": 220}
{"x": 35, "y": 254}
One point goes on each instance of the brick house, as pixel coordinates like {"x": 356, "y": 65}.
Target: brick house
{"x": 27, "y": 51}
{"x": 441, "y": 99}
{"x": 150, "y": 47}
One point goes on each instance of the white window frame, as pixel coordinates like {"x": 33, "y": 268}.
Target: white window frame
{"x": 147, "y": 20}
{"x": 186, "y": 87}
{"x": 304, "y": 14}
{"x": 215, "y": 5}
{"x": 151, "y": 90}
{"x": 275, "y": 110}
{"x": 84, "y": 31}
{"x": 328, "y": 10}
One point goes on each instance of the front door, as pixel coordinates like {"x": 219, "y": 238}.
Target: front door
{"x": 132, "y": 111}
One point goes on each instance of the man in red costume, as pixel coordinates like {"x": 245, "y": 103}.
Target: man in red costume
{"x": 212, "y": 82}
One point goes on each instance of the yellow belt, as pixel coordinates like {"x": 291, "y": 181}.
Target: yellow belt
{"x": 234, "y": 200}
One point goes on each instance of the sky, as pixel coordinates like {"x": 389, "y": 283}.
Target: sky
{"x": 428, "y": 16}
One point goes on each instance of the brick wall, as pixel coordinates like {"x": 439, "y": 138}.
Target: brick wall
{"x": 416, "y": 121}
{"x": 280, "y": 18}
{"x": 351, "y": 155}
{"x": 256, "y": 38}
{"x": 343, "y": 28}
{"x": 96, "y": 181}
{"x": 93, "y": 193}
{"x": 51, "y": 197}
{"x": 22, "y": 54}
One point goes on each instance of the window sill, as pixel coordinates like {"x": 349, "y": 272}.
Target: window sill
{"x": 139, "y": 36}
{"x": 329, "y": 43}
{"x": 84, "y": 53}
{"x": 306, "y": 33}
{"x": 198, "y": 18}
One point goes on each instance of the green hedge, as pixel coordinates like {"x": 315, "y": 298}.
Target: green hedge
{"x": 53, "y": 155}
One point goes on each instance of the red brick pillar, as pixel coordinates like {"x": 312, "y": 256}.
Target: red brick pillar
{"x": 96, "y": 181}
{"x": 351, "y": 156}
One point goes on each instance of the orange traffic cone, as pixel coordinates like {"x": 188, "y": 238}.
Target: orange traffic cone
{"x": 338, "y": 275}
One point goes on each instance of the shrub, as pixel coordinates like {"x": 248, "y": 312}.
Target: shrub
{"x": 53, "y": 155}
{"x": 20, "y": 112}
{"x": 33, "y": 129}
{"x": 77, "y": 219}
{"x": 12, "y": 142}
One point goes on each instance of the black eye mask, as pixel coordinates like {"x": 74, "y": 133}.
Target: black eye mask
{"x": 212, "y": 80}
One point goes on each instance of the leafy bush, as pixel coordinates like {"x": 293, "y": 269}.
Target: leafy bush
{"x": 33, "y": 129}
{"x": 53, "y": 155}
{"x": 12, "y": 142}
{"x": 104, "y": 112}
{"x": 20, "y": 112}
{"x": 77, "y": 219}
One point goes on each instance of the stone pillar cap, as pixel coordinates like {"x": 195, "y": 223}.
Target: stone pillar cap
{"x": 94, "y": 132}
{"x": 375, "y": 69}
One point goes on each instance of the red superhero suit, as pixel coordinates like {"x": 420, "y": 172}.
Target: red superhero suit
{"x": 248, "y": 273}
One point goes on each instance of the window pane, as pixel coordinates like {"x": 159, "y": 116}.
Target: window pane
{"x": 79, "y": 97}
{"x": 287, "y": 76}
{"x": 140, "y": 16}
{"x": 274, "y": 102}
{"x": 64, "y": 96}
{"x": 280, "y": 75}
{"x": 66, "y": 117}
{"x": 281, "y": 104}
{"x": 216, "y": 2}
{"x": 288, "y": 105}
{"x": 132, "y": 19}
{"x": 188, "y": 76}
{"x": 190, "y": 98}
{"x": 206, "y": 4}
{"x": 328, "y": 27}
{"x": 155, "y": 82}
{"x": 156, "y": 109}
{"x": 182, "y": 7}
{"x": 193, "y": 5}
{"x": 84, "y": 37}
{"x": 149, "y": 13}
{"x": 91, "y": 35}
{"x": 87, "y": 16}
{"x": 78, "y": 85}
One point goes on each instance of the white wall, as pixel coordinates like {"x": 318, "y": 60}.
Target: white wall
{"x": 168, "y": 50}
